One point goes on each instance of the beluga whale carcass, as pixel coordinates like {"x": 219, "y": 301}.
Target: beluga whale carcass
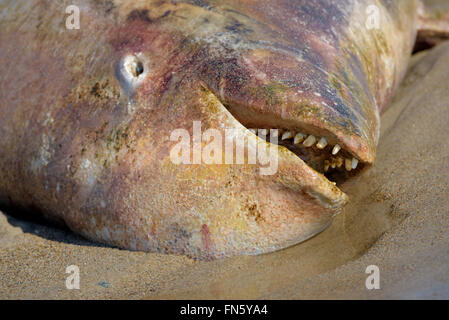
{"x": 97, "y": 97}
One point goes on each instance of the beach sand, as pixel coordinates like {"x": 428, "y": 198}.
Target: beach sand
{"x": 397, "y": 220}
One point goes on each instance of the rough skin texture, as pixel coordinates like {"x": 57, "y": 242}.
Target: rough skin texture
{"x": 82, "y": 146}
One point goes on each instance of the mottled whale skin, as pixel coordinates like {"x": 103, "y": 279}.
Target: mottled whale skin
{"x": 85, "y": 144}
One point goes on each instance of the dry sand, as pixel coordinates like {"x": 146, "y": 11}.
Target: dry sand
{"x": 397, "y": 220}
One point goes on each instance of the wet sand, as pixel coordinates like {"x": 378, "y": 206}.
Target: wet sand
{"x": 397, "y": 220}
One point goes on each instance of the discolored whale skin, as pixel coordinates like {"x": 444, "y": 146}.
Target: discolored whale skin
{"x": 84, "y": 145}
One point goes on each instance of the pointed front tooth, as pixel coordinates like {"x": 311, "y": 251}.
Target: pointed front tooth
{"x": 336, "y": 149}
{"x": 299, "y": 138}
{"x": 355, "y": 163}
{"x": 322, "y": 143}
{"x": 263, "y": 132}
{"x": 348, "y": 164}
{"x": 310, "y": 141}
{"x": 287, "y": 135}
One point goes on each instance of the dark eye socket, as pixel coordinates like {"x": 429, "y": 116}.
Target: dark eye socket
{"x": 139, "y": 68}
{"x": 133, "y": 66}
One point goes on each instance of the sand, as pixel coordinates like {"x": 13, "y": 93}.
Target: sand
{"x": 397, "y": 220}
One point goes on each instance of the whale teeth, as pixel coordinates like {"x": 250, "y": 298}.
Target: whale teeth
{"x": 348, "y": 164}
{"x": 332, "y": 163}
{"x": 336, "y": 149}
{"x": 340, "y": 162}
{"x": 310, "y": 141}
{"x": 322, "y": 143}
{"x": 299, "y": 138}
{"x": 327, "y": 165}
{"x": 355, "y": 162}
{"x": 287, "y": 135}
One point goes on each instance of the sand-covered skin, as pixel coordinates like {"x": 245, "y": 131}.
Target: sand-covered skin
{"x": 397, "y": 220}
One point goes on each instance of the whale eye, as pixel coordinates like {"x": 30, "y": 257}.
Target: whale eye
{"x": 139, "y": 68}
{"x": 132, "y": 70}
{"x": 133, "y": 66}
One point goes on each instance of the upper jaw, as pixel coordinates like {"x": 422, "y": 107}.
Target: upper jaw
{"x": 264, "y": 89}
{"x": 354, "y": 145}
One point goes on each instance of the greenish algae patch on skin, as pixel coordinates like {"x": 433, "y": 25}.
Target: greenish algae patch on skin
{"x": 274, "y": 93}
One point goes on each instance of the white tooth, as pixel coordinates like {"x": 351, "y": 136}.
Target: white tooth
{"x": 263, "y": 132}
{"x": 348, "y": 164}
{"x": 274, "y": 133}
{"x": 322, "y": 143}
{"x": 299, "y": 138}
{"x": 287, "y": 135}
{"x": 336, "y": 149}
{"x": 310, "y": 141}
{"x": 253, "y": 131}
{"x": 355, "y": 163}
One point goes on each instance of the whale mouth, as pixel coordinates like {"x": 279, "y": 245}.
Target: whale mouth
{"x": 320, "y": 149}
{"x": 322, "y": 154}
{"x": 317, "y": 148}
